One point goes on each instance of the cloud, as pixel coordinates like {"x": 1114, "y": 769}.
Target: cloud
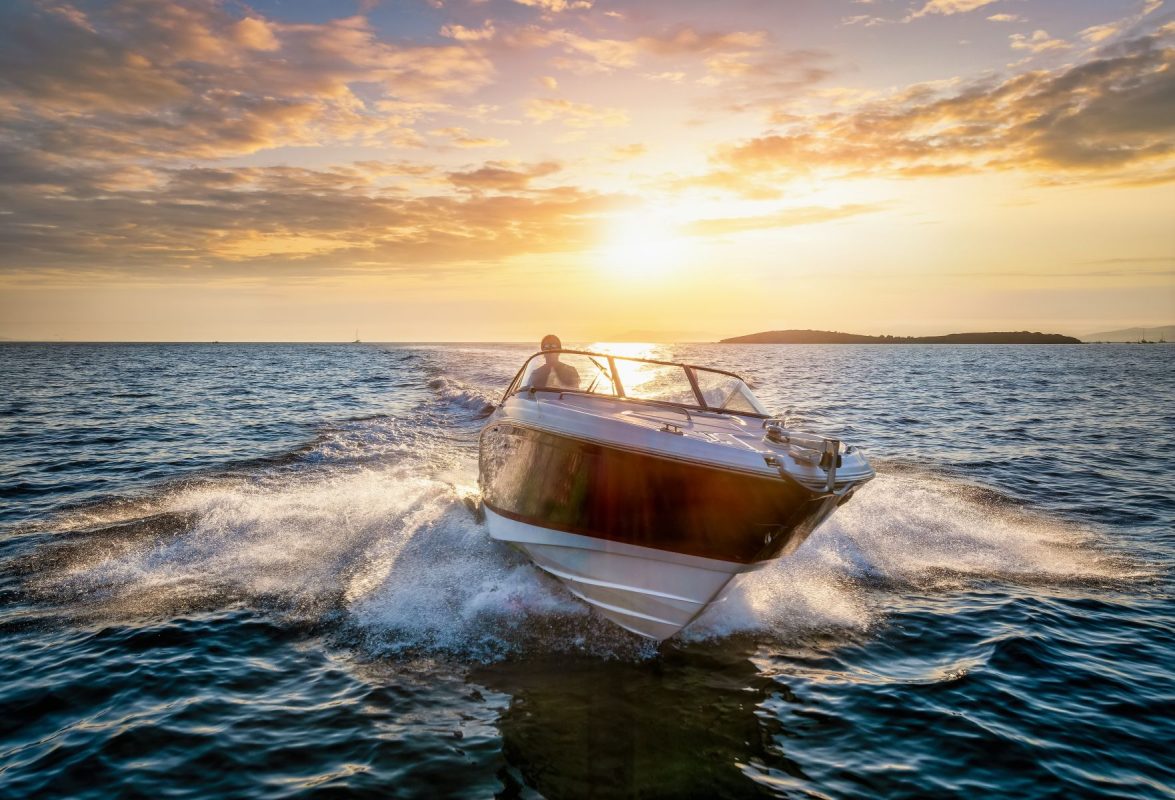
{"x": 685, "y": 40}
{"x": 583, "y": 54}
{"x": 1038, "y": 42}
{"x": 1099, "y": 33}
{"x": 746, "y": 184}
{"x": 208, "y": 223}
{"x": 1112, "y": 115}
{"x": 461, "y": 137}
{"x": 770, "y": 84}
{"x": 463, "y": 34}
{"x": 868, "y": 20}
{"x": 115, "y": 120}
{"x": 501, "y": 176}
{"x": 672, "y": 77}
{"x": 587, "y": 54}
{"x": 950, "y": 7}
{"x": 929, "y": 8}
{"x": 791, "y": 217}
{"x": 627, "y": 151}
{"x": 255, "y": 34}
{"x": 1005, "y": 18}
{"x": 161, "y": 80}
{"x": 1096, "y": 34}
{"x": 555, "y": 6}
{"x": 575, "y": 115}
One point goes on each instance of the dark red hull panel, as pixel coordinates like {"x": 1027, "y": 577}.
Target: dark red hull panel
{"x": 608, "y": 492}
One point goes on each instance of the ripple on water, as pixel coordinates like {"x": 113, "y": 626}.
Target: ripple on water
{"x": 279, "y": 592}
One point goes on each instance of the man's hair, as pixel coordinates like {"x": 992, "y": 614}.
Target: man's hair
{"x": 549, "y": 339}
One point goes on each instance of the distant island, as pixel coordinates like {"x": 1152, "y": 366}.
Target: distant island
{"x": 835, "y": 337}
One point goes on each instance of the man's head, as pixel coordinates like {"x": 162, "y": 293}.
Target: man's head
{"x": 551, "y": 343}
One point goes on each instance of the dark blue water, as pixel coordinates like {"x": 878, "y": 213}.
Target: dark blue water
{"x": 249, "y": 570}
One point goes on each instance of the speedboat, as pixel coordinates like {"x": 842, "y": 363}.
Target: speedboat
{"x": 648, "y": 487}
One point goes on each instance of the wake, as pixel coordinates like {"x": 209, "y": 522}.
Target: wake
{"x": 390, "y": 558}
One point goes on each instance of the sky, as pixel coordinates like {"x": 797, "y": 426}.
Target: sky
{"x": 667, "y": 170}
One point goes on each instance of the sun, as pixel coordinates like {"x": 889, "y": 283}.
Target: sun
{"x": 641, "y": 247}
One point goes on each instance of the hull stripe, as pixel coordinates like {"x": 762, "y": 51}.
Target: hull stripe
{"x": 566, "y": 576}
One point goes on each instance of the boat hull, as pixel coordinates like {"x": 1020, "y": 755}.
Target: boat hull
{"x": 648, "y": 540}
{"x": 647, "y": 591}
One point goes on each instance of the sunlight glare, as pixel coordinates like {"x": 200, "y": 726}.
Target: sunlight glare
{"x": 632, "y": 373}
{"x": 641, "y": 247}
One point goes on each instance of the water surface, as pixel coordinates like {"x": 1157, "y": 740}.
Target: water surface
{"x": 249, "y": 570}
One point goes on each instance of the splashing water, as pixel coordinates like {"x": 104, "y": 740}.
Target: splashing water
{"x": 307, "y": 586}
{"x": 401, "y": 556}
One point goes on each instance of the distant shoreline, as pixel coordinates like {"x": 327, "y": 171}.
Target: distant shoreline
{"x": 836, "y": 337}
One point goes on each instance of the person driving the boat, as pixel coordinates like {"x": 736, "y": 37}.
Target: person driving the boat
{"x": 554, "y": 374}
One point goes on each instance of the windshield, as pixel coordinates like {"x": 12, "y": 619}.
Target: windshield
{"x": 639, "y": 379}
{"x": 568, "y": 371}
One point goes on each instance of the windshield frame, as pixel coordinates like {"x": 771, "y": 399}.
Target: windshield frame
{"x": 690, "y": 371}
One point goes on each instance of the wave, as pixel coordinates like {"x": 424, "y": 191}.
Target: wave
{"x": 463, "y": 396}
{"x": 390, "y": 557}
{"x": 366, "y": 530}
{"x": 912, "y": 534}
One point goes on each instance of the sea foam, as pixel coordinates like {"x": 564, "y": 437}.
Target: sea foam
{"x": 393, "y": 556}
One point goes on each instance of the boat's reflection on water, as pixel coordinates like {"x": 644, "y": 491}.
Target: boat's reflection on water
{"x": 685, "y": 724}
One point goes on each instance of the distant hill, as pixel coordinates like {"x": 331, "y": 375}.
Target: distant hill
{"x": 1133, "y": 334}
{"x": 834, "y": 337}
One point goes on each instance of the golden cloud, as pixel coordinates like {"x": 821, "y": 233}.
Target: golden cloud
{"x": 587, "y": 54}
{"x": 1106, "y": 116}
{"x": 463, "y": 34}
{"x": 950, "y": 7}
{"x": 556, "y": 5}
{"x": 501, "y": 176}
{"x": 161, "y": 79}
{"x": 461, "y": 137}
{"x": 293, "y": 221}
{"x": 575, "y": 115}
{"x": 808, "y": 215}
{"x": 1038, "y": 42}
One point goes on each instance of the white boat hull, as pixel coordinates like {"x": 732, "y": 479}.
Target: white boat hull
{"x": 650, "y": 592}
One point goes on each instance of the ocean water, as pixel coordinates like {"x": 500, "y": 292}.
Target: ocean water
{"x": 252, "y": 571}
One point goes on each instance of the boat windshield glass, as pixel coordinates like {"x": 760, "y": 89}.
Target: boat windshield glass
{"x": 640, "y": 379}
{"x": 727, "y": 393}
{"x": 568, "y": 371}
{"x": 667, "y": 383}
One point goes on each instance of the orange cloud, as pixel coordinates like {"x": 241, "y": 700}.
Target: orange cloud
{"x": 207, "y": 223}
{"x": 950, "y": 7}
{"x": 463, "y": 138}
{"x": 575, "y": 115}
{"x": 502, "y": 176}
{"x": 463, "y": 34}
{"x": 161, "y": 79}
{"x": 255, "y": 34}
{"x": 630, "y": 150}
{"x": 1038, "y": 42}
{"x": 556, "y": 5}
{"x": 1098, "y": 117}
{"x": 809, "y": 215}
{"x": 587, "y": 54}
